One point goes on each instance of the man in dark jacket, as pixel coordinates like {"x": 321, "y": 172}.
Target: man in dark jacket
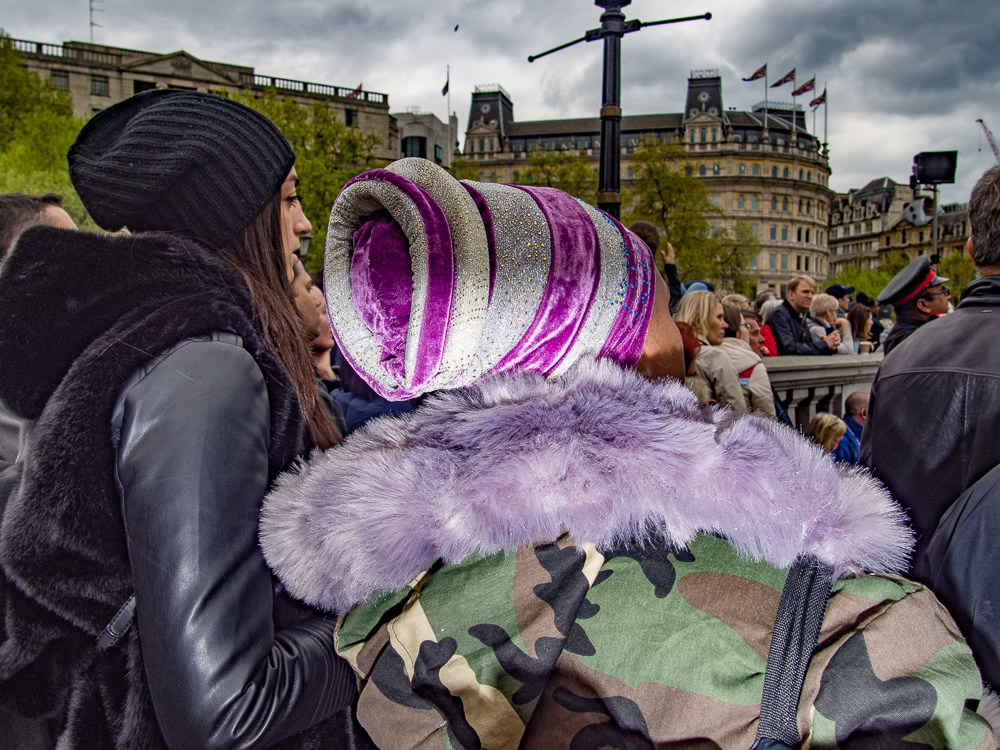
{"x": 788, "y": 322}
{"x": 935, "y": 406}
{"x": 918, "y": 295}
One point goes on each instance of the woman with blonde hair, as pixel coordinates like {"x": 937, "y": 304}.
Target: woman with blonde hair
{"x": 826, "y": 430}
{"x": 713, "y": 367}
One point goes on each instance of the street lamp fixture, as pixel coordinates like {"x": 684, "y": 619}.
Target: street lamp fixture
{"x": 613, "y": 27}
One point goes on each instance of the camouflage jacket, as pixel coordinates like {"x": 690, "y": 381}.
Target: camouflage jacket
{"x": 594, "y": 562}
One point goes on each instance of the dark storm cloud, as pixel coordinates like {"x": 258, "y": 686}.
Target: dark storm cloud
{"x": 903, "y": 75}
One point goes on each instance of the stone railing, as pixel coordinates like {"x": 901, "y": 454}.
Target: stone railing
{"x": 806, "y": 385}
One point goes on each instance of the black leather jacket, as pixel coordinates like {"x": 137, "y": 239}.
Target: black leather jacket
{"x": 791, "y": 332}
{"x": 934, "y": 412}
{"x": 192, "y": 431}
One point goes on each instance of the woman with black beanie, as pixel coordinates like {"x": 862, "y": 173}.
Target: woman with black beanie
{"x": 170, "y": 382}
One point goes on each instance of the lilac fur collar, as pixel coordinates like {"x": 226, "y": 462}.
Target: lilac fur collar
{"x": 600, "y": 452}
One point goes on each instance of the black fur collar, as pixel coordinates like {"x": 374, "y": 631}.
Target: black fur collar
{"x": 60, "y": 289}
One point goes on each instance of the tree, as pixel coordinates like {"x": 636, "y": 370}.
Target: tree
{"x": 328, "y": 153}
{"x": 37, "y": 127}
{"x": 462, "y": 169}
{"x": 873, "y": 280}
{"x": 566, "y": 170}
{"x": 666, "y": 193}
{"x": 958, "y": 267}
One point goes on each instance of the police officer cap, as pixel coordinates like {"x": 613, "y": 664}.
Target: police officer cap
{"x": 910, "y": 282}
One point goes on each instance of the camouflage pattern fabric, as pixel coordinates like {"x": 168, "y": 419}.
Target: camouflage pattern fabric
{"x": 564, "y": 647}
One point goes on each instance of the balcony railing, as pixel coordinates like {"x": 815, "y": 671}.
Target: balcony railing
{"x": 806, "y": 385}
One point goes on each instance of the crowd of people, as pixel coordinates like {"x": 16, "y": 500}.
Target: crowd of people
{"x": 489, "y": 479}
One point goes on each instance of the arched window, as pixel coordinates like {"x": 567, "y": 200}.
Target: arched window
{"x": 629, "y": 173}
{"x": 702, "y": 171}
{"x": 716, "y": 170}
{"x": 691, "y": 135}
{"x": 741, "y": 169}
{"x": 800, "y": 174}
{"x": 714, "y": 132}
{"x": 774, "y": 203}
{"x": 774, "y": 171}
{"x": 754, "y": 203}
{"x": 784, "y": 233}
{"x": 798, "y": 235}
{"x": 755, "y": 170}
{"x": 784, "y": 173}
{"x": 493, "y": 176}
{"x": 784, "y": 204}
{"x": 482, "y": 145}
{"x": 741, "y": 202}
{"x": 703, "y": 134}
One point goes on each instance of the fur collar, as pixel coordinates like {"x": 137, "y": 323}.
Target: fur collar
{"x": 60, "y": 289}
{"x": 601, "y": 452}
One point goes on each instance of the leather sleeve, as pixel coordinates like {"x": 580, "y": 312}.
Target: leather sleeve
{"x": 192, "y": 470}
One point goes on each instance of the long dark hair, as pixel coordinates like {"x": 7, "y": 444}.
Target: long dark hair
{"x": 257, "y": 256}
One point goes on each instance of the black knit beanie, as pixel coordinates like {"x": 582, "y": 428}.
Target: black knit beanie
{"x": 179, "y": 161}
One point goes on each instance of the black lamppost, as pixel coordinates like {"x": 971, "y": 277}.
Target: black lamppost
{"x": 613, "y": 27}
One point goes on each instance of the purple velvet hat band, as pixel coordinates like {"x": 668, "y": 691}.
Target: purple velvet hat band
{"x": 433, "y": 284}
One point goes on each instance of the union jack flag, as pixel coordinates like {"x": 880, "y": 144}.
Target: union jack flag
{"x": 807, "y": 86}
{"x": 821, "y": 99}
{"x": 787, "y": 78}
{"x": 357, "y": 92}
{"x": 760, "y": 73}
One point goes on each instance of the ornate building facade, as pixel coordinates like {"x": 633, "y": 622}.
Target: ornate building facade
{"x": 886, "y": 217}
{"x": 767, "y": 172}
{"x": 97, "y": 76}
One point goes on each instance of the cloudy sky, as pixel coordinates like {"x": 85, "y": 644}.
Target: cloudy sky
{"x": 903, "y": 76}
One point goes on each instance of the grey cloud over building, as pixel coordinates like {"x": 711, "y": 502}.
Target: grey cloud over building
{"x": 903, "y": 75}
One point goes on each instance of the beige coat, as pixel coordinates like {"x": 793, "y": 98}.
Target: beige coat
{"x": 756, "y": 389}
{"x": 716, "y": 378}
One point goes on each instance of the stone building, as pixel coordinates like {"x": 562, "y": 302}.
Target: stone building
{"x": 423, "y": 134}
{"x": 771, "y": 174}
{"x": 97, "y": 76}
{"x": 858, "y": 220}
{"x": 885, "y": 217}
{"x": 913, "y": 232}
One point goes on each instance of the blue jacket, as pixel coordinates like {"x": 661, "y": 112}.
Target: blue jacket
{"x": 849, "y": 450}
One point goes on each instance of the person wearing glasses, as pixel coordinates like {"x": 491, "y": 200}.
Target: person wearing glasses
{"x": 918, "y": 296}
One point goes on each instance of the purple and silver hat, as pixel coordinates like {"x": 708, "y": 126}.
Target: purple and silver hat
{"x": 433, "y": 283}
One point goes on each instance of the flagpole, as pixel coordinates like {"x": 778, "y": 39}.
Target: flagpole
{"x": 764, "y": 137}
{"x": 826, "y": 107}
{"x": 447, "y": 114}
{"x": 795, "y": 86}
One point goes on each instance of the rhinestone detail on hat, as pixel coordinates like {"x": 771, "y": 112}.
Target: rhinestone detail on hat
{"x": 358, "y": 343}
{"x": 610, "y": 292}
{"x": 524, "y": 258}
{"x": 472, "y": 270}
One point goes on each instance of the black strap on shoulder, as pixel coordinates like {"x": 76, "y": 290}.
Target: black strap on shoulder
{"x": 796, "y": 630}
{"x": 118, "y": 626}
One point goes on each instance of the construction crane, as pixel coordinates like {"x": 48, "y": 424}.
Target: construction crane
{"x": 992, "y": 141}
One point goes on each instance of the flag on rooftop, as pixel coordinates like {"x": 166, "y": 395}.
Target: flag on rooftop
{"x": 789, "y": 76}
{"x": 821, "y": 99}
{"x": 447, "y": 83}
{"x": 759, "y": 73}
{"x": 357, "y": 92}
{"x": 807, "y": 86}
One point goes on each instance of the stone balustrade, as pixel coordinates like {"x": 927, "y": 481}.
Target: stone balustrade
{"x": 806, "y": 385}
